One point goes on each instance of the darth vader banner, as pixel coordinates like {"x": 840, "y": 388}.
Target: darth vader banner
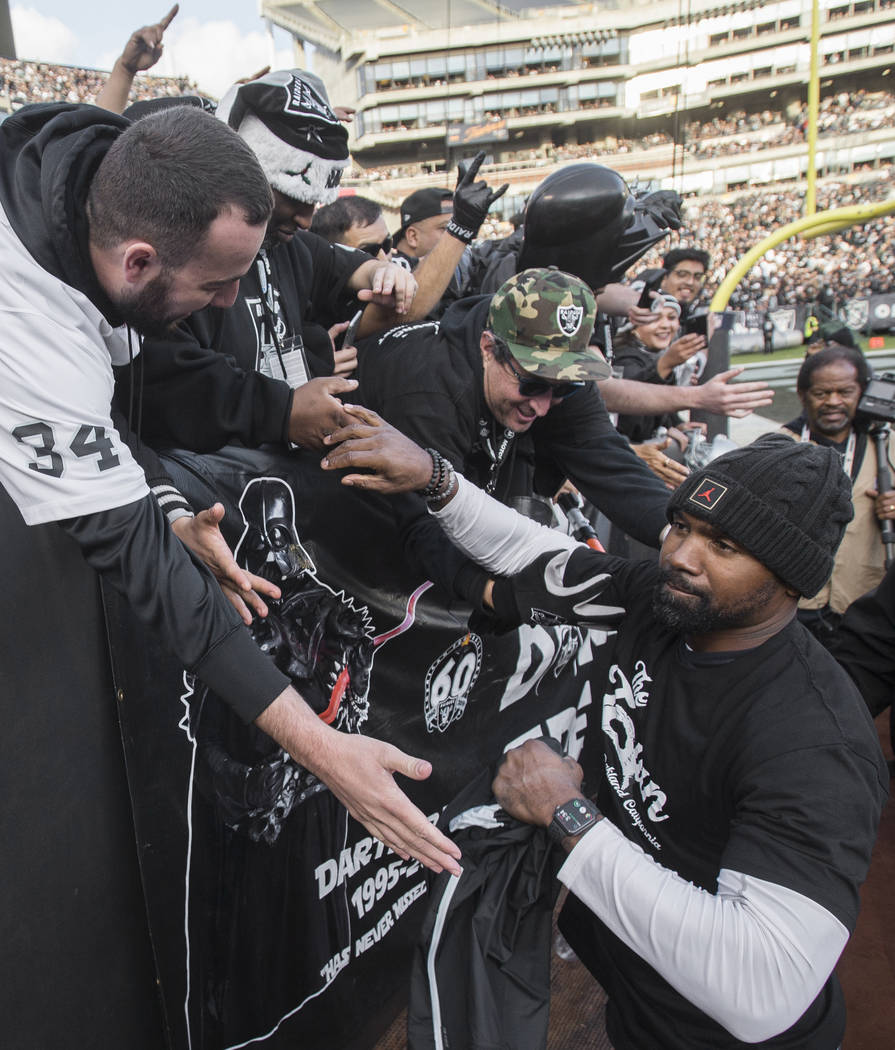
{"x": 276, "y": 920}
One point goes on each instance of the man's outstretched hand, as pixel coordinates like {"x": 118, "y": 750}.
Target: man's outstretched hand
{"x": 202, "y": 534}
{"x": 359, "y": 770}
{"x": 725, "y": 398}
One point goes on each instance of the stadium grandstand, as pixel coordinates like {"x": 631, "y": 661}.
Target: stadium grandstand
{"x": 738, "y": 160}
{"x": 673, "y": 93}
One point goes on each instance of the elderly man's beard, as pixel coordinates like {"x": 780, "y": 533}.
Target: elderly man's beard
{"x": 148, "y": 311}
{"x": 697, "y": 612}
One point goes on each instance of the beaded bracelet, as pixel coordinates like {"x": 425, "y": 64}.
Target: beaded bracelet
{"x": 450, "y": 488}
{"x": 443, "y": 482}
{"x": 439, "y": 469}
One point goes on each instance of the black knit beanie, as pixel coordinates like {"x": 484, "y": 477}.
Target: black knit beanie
{"x": 784, "y": 502}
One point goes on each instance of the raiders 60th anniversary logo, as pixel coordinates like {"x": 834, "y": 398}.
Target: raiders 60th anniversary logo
{"x": 449, "y": 681}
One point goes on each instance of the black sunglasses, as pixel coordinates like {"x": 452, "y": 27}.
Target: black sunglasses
{"x": 529, "y": 387}
{"x": 375, "y": 249}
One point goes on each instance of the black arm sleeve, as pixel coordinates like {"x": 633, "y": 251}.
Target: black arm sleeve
{"x": 138, "y": 554}
{"x": 576, "y": 439}
{"x": 431, "y": 553}
{"x": 196, "y": 398}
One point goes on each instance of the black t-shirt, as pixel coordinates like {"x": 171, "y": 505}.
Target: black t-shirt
{"x": 764, "y": 762}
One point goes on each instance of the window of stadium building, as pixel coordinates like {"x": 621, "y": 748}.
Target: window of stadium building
{"x": 486, "y": 64}
{"x": 533, "y": 101}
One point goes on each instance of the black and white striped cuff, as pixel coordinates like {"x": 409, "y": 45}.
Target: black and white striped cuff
{"x": 173, "y": 503}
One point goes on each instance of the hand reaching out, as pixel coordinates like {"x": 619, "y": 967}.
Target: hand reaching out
{"x": 244, "y": 590}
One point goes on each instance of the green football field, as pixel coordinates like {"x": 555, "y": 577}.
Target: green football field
{"x": 799, "y": 351}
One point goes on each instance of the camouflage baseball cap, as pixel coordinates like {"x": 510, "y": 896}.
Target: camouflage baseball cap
{"x": 546, "y": 318}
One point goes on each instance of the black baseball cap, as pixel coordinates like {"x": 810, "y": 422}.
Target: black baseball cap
{"x": 423, "y": 204}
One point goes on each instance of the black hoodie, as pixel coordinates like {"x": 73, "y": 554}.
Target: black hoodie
{"x": 48, "y": 157}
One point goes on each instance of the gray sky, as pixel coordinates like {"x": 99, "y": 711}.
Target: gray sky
{"x": 214, "y": 42}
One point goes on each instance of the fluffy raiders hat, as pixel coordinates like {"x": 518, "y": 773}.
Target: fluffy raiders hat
{"x": 662, "y": 301}
{"x": 546, "y": 318}
{"x": 287, "y": 120}
{"x": 665, "y": 301}
{"x": 784, "y": 502}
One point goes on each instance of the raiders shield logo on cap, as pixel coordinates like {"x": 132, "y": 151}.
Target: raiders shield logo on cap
{"x": 569, "y": 318}
{"x": 708, "y": 494}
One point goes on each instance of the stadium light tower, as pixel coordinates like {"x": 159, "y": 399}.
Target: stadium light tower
{"x": 7, "y": 42}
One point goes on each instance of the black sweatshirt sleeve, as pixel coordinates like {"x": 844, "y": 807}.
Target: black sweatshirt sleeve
{"x": 577, "y": 440}
{"x": 194, "y": 397}
{"x": 431, "y": 553}
{"x": 137, "y": 553}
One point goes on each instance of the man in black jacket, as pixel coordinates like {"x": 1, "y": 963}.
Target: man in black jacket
{"x": 104, "y": 225}
{"x": 481, "y": 388}
{"x": 248, "y": 367}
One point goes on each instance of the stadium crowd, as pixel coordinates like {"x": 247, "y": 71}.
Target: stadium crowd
{"x": 736, "y": 132}
{"x": 23, "y": 81}
{"x": 740, "y": 780}
{"x": 857, "y": 262}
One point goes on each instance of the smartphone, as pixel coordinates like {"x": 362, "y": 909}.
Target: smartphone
{"x": 351, "y": 330}
{"x": 696, "y": 324}
{"x": 645, "y": 301}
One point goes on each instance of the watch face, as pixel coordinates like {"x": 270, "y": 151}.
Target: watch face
{"x": 575, "y": 816}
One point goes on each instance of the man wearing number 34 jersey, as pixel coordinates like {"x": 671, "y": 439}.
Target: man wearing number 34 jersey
{"x": 110, "y": 230}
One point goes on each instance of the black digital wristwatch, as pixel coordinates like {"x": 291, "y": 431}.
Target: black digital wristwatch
{"x": 573, "y": 818}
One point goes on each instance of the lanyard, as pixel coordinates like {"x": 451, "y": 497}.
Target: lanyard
{"x": 848, "y": 456}
{"x": 496, "y": 457}
{"x": 270, "y": 303}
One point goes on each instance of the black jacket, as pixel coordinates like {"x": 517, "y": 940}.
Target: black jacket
{"x": 426, "y": 379}
{"x": 865, "y": 645}
{"x": 638, "y": 363}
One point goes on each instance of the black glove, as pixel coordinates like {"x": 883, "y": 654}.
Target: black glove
{"x": 664, "y": 206}
{"x": 558, "y": 587}
{"x": 471, "y": 201}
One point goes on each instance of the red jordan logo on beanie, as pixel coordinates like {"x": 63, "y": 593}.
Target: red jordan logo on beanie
{"x": 708, "y": 493}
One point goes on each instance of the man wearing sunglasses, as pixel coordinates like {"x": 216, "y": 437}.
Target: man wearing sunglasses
{"x": 356, "y": 222}
{"x": 502, "y": 387}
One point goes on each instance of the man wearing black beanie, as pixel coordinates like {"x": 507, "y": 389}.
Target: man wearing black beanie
{"x": 715, "y": 856}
